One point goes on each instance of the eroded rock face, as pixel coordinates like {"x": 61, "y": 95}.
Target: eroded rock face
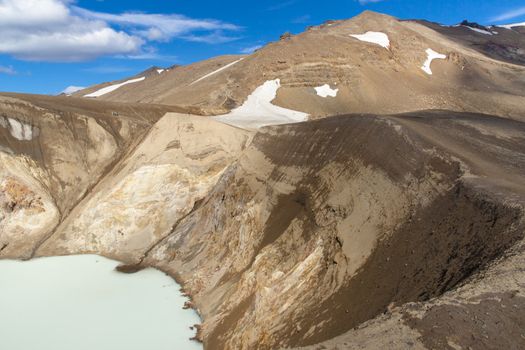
{"x": 138, "y": 204}
{"x": 297, "y": 236}
{"x": 291, "y": 223}
{"x": 27, "y": 210}
{"x": 300, "y": 233}
{"x": 50, "y": 157}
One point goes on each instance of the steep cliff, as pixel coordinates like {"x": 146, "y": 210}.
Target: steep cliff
{"x": 162, "y": 181}
{"x": 52, "y": 152}
{"x": 320, "y": 226}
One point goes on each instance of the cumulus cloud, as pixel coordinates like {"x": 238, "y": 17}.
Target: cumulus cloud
{"x": 55, "y": 30}
{"x": 510, "y": 14}
{"x": 9, "y": 70}
{"x": 47, "y": 30}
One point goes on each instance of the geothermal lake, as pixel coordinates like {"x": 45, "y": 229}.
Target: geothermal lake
{"x": 81, "y": 302}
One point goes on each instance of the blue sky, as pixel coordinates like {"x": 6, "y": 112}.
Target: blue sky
{"x": 47, "y": 45}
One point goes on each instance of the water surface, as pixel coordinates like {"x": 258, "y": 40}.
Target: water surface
{"x": 82, "y": 303}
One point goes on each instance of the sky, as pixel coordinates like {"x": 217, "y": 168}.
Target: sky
{"x": 48, "y": 45}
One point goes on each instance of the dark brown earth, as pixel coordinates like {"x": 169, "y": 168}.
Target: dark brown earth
{"x": 508, "y": 45}
{"x": 494, "y": 321}
{"x": 467, "y": 217}
{"x": 436, "y": 250}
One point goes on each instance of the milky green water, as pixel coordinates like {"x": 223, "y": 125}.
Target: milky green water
{"x": 81, "y": 303}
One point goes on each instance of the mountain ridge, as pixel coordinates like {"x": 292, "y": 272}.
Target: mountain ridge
{"x": 466, "y": 80}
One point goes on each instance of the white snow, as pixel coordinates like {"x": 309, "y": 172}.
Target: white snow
{"x": 111, "y": 88}
{"x": 510, "y": 26}
{"x": 19, "y": 130}
{"x": 431, "y": 55}
{"x": 378, "y": 38}
{"x": 217, "y": 71}
{"x": 258, "y": 110}
{"x": 325, "y": 91}
{"x": 160, "y": 71}
{"x": 72, "y": 89}
{"x": 479, "y": 30}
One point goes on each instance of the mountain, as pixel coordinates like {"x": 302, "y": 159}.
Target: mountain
{"x": 369, "y": 78}
{"x": 389, "y": 214}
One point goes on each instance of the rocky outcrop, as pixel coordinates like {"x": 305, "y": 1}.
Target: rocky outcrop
{"x": 51, "y": 157}
{"x": 165, "y": 178}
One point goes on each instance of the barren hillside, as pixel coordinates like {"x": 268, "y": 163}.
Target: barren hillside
{"x": 478, "y": 74}
{"x": 394, "y": 221}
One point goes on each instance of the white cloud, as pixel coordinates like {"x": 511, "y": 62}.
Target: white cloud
{"x": 161, "y": 27}
{"x": 510, "y": 14}
{"x": 47, "y": 30}
{"x": 9, "y": 70}
{"x": 54, "y": 30}
{"x": 213, "y": 38}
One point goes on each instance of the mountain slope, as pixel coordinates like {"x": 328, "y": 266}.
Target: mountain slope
{"x": 369, "y": 77}
{"x": 500, "y": 43}
{"x": 53, "y": 151}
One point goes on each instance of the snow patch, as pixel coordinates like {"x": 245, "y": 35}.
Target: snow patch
{"x": 160, "y": 71}
{"x": 19, "y": 130}
{"x": 431, "y": 55}
{"x": 378, "y": 38}
{"x": 216, "y": 71}
{"x": 72, "y": 89}
{"x": 111, "y": 88}
{"x": 325, "y": 91}
{"x": 258, "y": 110}
{"x": 510, "y": 26}
{"x": 486, "y": 32}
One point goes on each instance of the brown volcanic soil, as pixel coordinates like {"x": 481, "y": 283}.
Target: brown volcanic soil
{"x": 445, "y": 245}
{"x": 142, "y": 113}
{"x": 507, "y": 45}
{"x": 370, "y": 78}
{"x": 74, "y": 143}
{"x": 434, "y": 251}
{"x": 321, "y": 226}
{"x": 348, "y": 230}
